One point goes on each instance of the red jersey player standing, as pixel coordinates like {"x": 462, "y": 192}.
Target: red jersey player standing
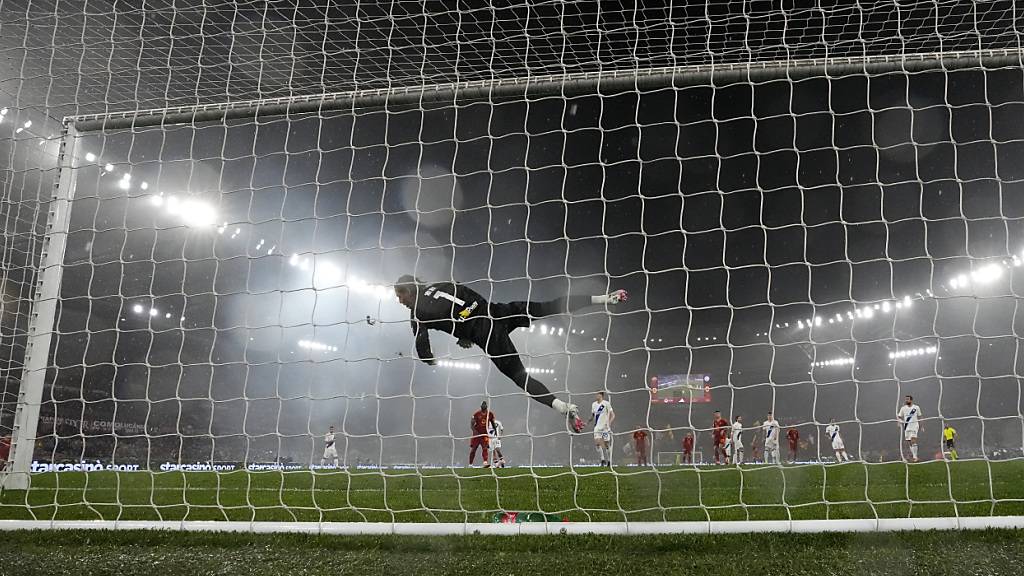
{"x": 479, "y": 423}
{"x": 720, "y": 430}
{"x": 640, "y": 439}
{"x": 688, "y": 448}
{"x": 793, "y": 435}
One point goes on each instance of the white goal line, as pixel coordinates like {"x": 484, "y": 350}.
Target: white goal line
{"x": 537, "y": 528}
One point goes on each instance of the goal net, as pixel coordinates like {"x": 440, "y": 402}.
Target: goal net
{"x": 817, "y": 216}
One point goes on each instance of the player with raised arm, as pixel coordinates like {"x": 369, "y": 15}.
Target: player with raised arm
{"x": 737, "y": 441}
{"x": 494, "y": 432}
{"x": 719, "y": 435}
{"x": 481, "y": 420}
{"x": 949, "y": 440}
{"x": 602, "y": 415}
{"x": 910, "y": 420}
{"x": 832, "y": 431}
{"x": 461, "y": 312}
{"x": 771, "y": 439}
{"x": 330, "y": 449}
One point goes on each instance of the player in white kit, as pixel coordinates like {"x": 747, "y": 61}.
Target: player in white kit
{"x": 832, "y": 431}
{"x": 737, "y": 441}
{"x": 602, "y": 415}
{"x": 494, "y": 431}
{"x": 910, "y": 420}
{"x": 771, "y": 439}
{"x": 330, "y": 449}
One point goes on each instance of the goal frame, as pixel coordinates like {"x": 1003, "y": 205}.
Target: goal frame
{"x": 49, "y": 277}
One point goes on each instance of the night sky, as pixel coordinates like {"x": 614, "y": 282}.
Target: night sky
{"x": 731, "y": 212}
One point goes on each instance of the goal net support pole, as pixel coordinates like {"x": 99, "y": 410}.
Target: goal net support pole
{"x": 41, "y": 322}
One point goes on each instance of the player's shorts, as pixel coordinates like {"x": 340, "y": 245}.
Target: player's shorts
{"x": 496, "y": 443}
{"x": 950, "y": 444}
{"x": 605, "y": 435}
{"x": 771, "y": 447}
{"x": 330, "y": 453}
{"x": 837, "y": 444}
{"x": 910, "y": 432}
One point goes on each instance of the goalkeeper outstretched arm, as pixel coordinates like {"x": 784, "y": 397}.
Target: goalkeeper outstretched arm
{"x": 423, "y": 351}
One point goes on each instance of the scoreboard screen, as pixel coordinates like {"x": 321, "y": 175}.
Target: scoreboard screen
{"x": 680, "y": 388}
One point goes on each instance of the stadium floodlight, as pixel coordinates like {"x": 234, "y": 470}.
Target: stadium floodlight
{"x": 137, "y": 308}
{"x": 27, "y": 124}
{"x": 108, "y": 167}
{"x": 913, "y": 352}
{"x": 886, "y": 307}
{"x": 153, "y": 311}
{"x": 144, "y": 185}
{"x": 817, "y": 321}
{"x": 316, "y": 346}
{"x": 800, "y": 324}
{"x": 987, "y": 274}
{"x": 3, "y": 112}
{"x": 90, "y": 157}
{"x": 907, "y": 301}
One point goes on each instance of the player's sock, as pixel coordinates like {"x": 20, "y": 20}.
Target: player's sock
{"x": 336, "y": 463}
{"x": 600, "y": 452}
{"x": 913, "y": 451}
{"x": 953, "y": 453}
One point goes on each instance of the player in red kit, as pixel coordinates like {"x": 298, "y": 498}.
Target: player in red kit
{"x": 640, "y": 439}
{"x": 793, "y": 435}
{"x": 720, "y": 430}
{"x": 481, "y": 418}
{"x": 688, "y": 448}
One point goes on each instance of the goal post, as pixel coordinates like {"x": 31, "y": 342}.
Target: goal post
{"x": 213, "y": 343}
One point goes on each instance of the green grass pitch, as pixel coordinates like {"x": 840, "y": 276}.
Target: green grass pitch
{"x": 855, "y": 490}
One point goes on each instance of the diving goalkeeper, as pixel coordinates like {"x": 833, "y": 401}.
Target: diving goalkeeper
{"x": 463, "y": 313}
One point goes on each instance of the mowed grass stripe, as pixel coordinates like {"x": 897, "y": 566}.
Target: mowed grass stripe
{"x": 853, "y": 490}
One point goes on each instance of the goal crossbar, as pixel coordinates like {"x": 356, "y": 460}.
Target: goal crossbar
{"x": 572, "y": 84}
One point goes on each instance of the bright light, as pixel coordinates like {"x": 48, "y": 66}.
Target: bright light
{"x": 109, "y": 167}
{"x": 913, "y": 352}
{"x": 562, "y": 331}
{"x": 156, "y": 200}
{"x": 458, "y": 365}
{"x": 907, "y": 302}
{"x": 197, "y": 213}
{"x": 124, "y": 184}
{"x": 28, "y": 124}
{"x": 3, "y": 112}
{"x": 90, "y": 157}
{"x": 800, "y": 324}
{"x": 317, "y": 346}
{"x": 833, "y": 362}
{"x": 153, "y": 311}
{"x": 886, "y": 307}
{"x": 817, "y": 320}
{"x": 325, "y": 276}
{"x": 987, "y": 274}
{"x": 544, "y": 329}
{"x": 868, "y": 312}
{"x": 168, "y": 315}
{"x": 19, "y": 130}
{"x": 137, "y": 308}
{"x": 144, "y": 185}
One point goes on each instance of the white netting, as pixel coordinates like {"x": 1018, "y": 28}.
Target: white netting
{"x": 794, "y": 240}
